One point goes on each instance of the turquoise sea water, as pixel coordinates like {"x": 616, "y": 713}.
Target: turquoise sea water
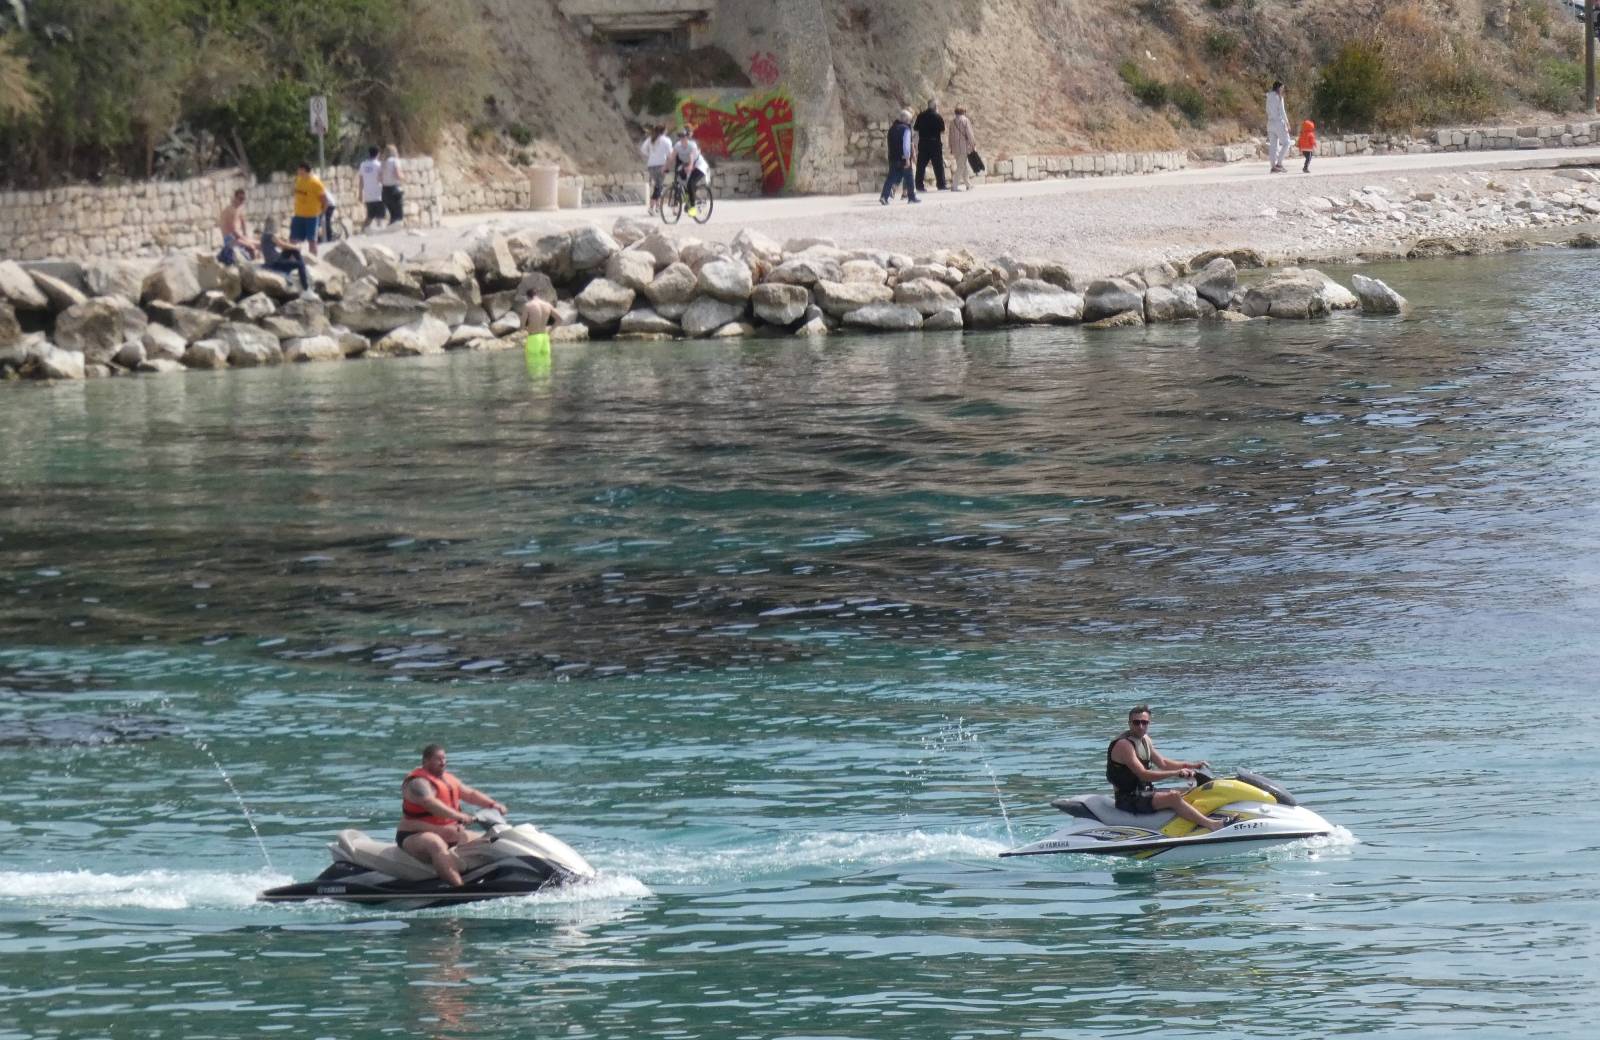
{"x": 792, "y": 639}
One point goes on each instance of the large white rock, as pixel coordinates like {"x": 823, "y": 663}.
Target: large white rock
{"x": 634, "y": 268}
{"x": 628, "y": 230}
{"x": 97, "y": 328}
{"x": 130, "y": 355}
{"x": 123, "y": 278}
{"x": 1336, "y": 296}
{"x": 885, "y": 317}
{"x": 661, "y": 249}
{"x": 298, "y": 319}
{"x": 591, "y": 248}
{"x": 365, "y": 309}
{"x": 778, "y": 304}
{"x": 1376, "y": 297}
{"x": 59, "y": 293}
{"x": 856, "y": 271}
{"x": 346, "y": 258}
{"x": 467, "y": 335}
{"x": 753, "y": 245}
{"x": 1107, "y": 297}
{"x": 1172, "y": 303}
{"x": 985, "y": 308}
{"x": 1216, "y": 281}
{"x": 697, "y": 254}
{"x": 176, "y": 279}
{"x": 1287, "y": 293}
{"x": 249, "y": 346}
{"x": 458, "y": 268}
{"x": 192, "y": 323}
{"x": 707, "y": 314}
{"x": 645, "y": 321}
{"x": 257, "y": 280}
{"x": 840, "y": 298}
{"x": 800, "y": 245}
{"x": 493, "y": 262}
{"x": 927, "y": 295}
{"x": 1033, "y": 301}
{"x": 313, "y": 348}
{"x": 206, "y": 353}
{"x": 51, "y": 362}
{"x": 727, "y": 279}
{"x": 947, "y": 319}
{"x": 426, "y": 335}
{"x": 18, "y": 288}
{"x": 671, "y": 291}
{"x": 603, "y": 301}
{"x": 162, "y": 342}
{"x": 253, "y": 308}
{"x": 160, "y": 366}
{"x": 806, "y": 270}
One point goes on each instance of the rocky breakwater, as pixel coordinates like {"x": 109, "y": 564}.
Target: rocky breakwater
{"x": 187, "y": 311}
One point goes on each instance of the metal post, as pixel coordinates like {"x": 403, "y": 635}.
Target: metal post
{"x": 1588, "y": 56}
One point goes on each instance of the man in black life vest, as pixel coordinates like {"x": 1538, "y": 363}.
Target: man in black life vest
{"x": 431, "y": 817}
{"x": 1133, "y": 765}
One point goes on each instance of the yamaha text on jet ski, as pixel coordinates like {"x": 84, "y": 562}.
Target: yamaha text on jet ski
{"x": 514, "y": 861}
{"x": 1257, "y": 811}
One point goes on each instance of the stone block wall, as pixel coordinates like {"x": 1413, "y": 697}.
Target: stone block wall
{"x": 152, "y": 217}
{"x": 511, "y": 189}
{"x": 1465, "y": 139}
{"x": 865, "y": 156}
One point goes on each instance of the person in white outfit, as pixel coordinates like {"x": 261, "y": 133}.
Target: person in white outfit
{"x": 1277, "y": 127}
{"x": 656, "y": 150}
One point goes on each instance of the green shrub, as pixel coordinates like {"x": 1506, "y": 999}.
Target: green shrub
{"x": 660, "y": 99}
{"x": 1558, "y": 87}
{"x": 1191, "y": 101}
{"x": 1222, "y": 44}
{"x": 520, "y": 134}
{"x": 1147, "y": 89}
{"x": 1352, "y": 90}
{"x": 273, "y": 125}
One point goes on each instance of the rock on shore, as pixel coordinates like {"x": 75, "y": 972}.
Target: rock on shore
{"x": 66, "y": 321}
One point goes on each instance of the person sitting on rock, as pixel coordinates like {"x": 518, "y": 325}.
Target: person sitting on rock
{"x": 283, "y": 257}
{"x": 231, "y": 224}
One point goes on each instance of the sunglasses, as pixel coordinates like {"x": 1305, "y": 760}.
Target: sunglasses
{"x": 1138, "y": 722}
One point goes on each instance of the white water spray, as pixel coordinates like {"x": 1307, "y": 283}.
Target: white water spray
{"x": 965, "y": 736}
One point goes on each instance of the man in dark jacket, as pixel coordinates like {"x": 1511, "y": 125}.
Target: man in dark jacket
{"x": 930, "y": 145}
{"x": 899, "y": 160}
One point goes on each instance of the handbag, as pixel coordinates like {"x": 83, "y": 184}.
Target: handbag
{"x": 975, "y": 161}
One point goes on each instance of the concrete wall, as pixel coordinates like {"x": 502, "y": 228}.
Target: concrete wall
{"x": 155, "y": 216}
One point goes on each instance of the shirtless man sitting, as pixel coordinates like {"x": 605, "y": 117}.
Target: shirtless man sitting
{"x": 235, "y": 236}
{"x": 431, "y": 822}
{"x": 1133, "y": 765}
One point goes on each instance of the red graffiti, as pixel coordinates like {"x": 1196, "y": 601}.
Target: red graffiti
{"x": 764, "y": 68}
{"x": 761, "y": 126}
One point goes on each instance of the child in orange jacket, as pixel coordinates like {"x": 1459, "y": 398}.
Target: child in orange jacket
{"x": 1307, "y": 143}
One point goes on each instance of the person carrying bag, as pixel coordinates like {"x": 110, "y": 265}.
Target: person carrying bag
{"x": 964, "y": 143}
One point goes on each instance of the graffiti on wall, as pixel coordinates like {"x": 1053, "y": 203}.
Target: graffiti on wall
{"x": 757, "y": 126}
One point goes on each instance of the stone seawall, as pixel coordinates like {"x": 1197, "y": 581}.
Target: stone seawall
{"x": 155, "y": 216}
{"x": 1459, "y": 139}
{"x": 867, "y": 165}
{"x": 511, "y": 189}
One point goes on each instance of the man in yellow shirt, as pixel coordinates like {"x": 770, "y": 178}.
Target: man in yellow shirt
{"x": 310, "y": 199}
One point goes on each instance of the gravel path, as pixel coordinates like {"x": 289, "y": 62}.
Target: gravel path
{"x": 1099, "y": 226}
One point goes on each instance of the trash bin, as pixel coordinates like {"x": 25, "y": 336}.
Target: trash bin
{"x": 542, "y": 186}
{"x": 571, "y": 193}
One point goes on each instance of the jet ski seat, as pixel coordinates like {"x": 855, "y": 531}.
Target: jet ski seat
{"x": 385, "y": 856}
{"x": 1103, "y": 807}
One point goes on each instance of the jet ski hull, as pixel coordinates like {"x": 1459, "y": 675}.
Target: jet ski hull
{"x": 1256, "y": 821}
{"x": 352, "y": 883}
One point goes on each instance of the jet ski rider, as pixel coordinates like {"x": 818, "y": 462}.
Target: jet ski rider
{"x": 431, "y": 821}
{"x": 1133, "y": 765}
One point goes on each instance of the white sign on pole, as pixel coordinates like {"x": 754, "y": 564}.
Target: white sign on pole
{"x": 319, "y": 115}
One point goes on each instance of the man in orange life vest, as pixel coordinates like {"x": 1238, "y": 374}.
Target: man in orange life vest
{"x": 431, "y": 821}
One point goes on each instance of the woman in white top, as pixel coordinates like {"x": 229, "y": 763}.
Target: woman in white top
{"x": 656, "y": 149}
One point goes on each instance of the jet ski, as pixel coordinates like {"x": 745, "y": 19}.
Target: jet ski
{"x": 514, "y": 861}
{"x": 1258, "y": 812}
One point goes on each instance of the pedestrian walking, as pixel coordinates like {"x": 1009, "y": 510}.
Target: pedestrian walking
{"x": 310, "y": 202}
{"x": 963, "y": 146}
{"x": 930, "y": 145}
{"x": 1277, "y": 127}
{"x": 1307, "y": 143}
{"x": 392, "y": 184}
{"x": 371, "y": 176}
{"x": 656, "y": 150}
{"x": 900, "y": 157}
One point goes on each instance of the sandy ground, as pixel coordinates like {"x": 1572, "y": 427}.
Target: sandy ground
{"x": 1099, "y": 226}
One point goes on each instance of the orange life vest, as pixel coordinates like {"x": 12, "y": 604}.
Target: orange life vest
{"x": 1308, "y": 137}
{"x": 446, "y": 788}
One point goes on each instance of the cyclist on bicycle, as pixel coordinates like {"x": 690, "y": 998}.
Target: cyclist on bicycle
{"x": 689, "y": 165}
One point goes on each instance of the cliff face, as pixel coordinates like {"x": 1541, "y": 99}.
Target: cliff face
{"x": 1043, "y": 75}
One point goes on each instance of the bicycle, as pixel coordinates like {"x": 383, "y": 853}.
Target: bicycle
{"x": 332, "y": 227}
{"x": 675, "y": 199}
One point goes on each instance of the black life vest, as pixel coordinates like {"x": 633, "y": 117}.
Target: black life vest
{"x": 1120, "y": 776}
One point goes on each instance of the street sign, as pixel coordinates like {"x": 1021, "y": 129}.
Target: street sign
{"x": 319, "y": 115}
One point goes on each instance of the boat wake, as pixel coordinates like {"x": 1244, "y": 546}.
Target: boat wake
{"x": 145, "y": 889}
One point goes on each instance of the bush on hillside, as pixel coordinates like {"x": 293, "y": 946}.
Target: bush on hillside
{"x": 1147, "y": 89}
{"x": 1191, "y": 101}
{"x": 1558, "y": 86}
{"x": 116, "y": 78}
{"x": 1353, "y": 89}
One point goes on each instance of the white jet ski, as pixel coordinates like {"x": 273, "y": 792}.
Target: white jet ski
{"x": 1258, "y": 812}
{"x": 515, "y": 861}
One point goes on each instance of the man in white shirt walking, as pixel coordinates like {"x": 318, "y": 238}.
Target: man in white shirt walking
{"x": 1277, "y": 127}
{"x": 390, "y": 181}
{"x": 371, "y": 176}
